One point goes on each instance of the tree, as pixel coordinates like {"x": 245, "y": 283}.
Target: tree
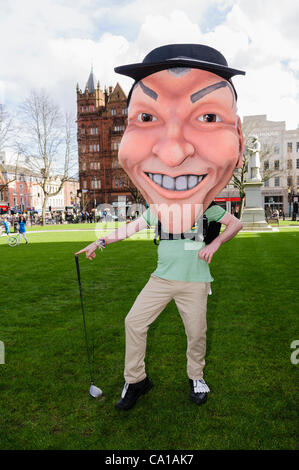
{"x": 47, "y": 142}
{"x": 128, "y": 186}
{"x": 6, "y": 178}
{"x": 6, "y": 132}
{"x": 6, "y": 127}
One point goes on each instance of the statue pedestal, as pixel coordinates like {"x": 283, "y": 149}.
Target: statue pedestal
{"x": 253, "y": 217}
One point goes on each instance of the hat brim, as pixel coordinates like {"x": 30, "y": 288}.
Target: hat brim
{"x": 142, "y": 70}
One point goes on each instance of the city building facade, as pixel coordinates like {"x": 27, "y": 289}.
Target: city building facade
{"x": 101, "y": 122}
{"x": 24, "y": 192}
{"x": 279, "y": 161}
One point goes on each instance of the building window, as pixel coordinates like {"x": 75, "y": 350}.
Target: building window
{"x": 290, "y": 147}
{"x": 90, "y": 148}
{"x": 84, "y": 184}
{"x": 82, "y": 130}
{"x": 266, "y": 165}
{"x": 276, "y": 148}
{"x": 289, "y": 164}
{"x": 83, "y": 148}
{"x": 125, "y": 112}
{"x": 21, "y": 189}
{"x": 94, "y": 147}
{"x": 289, "y": 181}
{"x": 297, "y": 163}
{"x": 91, "y": 165}
{"x": 96, "y": 184}
{"x": 113, "y": 112}
{"x": 276, "y": 164}
{"x": 98, "y": 147}
{"x": 115, "y": 145}
{"x": 276, "y": 181}
{"x": 119, "y": 128}
{"x": 266, "y": 183}
{"x": 116, "y": 163}
{"x": 297, "y": 146}
{"x": 84, "y": 166}
{"x": 297, "y": 180}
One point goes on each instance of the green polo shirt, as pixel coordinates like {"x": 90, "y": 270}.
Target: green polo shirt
{"x": 178, "y": 260}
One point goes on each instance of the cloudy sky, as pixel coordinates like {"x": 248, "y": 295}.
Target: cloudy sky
{"x": 51, "y": 44}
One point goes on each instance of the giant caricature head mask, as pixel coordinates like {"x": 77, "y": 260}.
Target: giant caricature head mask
{"x": 183, "y": 138}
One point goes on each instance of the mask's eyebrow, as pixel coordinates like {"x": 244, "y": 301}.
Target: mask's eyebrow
{"x": 148, "y": 91}
{"x": 209, "y": 89}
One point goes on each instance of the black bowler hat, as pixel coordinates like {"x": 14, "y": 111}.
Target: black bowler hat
{"x": 196, "y": 56}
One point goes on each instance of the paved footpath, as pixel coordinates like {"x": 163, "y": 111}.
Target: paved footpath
{"x": 71, "y": 230}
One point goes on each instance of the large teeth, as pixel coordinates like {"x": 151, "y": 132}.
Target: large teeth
{"x": 180, "y": 183}
{"x": 192, "y": 181}
{"x": 168, "y": 182}
{"x": 157, "y": 179}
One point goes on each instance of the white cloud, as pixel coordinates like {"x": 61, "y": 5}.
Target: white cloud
{"x": 51, "y": 44}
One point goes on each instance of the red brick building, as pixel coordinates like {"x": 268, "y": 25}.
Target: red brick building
{"x": 101, "y": 121}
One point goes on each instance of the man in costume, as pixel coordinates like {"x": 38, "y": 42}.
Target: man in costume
{"x": 180, "y": 148}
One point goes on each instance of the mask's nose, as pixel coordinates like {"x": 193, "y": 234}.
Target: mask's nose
{"x": 173, "y": 148}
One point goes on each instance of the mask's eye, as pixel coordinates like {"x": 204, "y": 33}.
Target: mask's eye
{"x": 145, "y": 117}
{"x": 209, "y": 118}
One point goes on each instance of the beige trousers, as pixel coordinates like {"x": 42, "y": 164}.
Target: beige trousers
{"x": 191, "y": 301}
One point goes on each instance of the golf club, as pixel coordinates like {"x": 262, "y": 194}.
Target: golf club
{"x": 93, "y": 391}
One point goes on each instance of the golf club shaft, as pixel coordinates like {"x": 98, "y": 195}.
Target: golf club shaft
{"x": 84, "y": 319}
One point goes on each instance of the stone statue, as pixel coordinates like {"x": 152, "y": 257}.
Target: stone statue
{"x": 254, "y": 160}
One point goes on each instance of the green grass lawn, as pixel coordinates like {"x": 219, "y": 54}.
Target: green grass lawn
{"x": 87, "y": 226}
{"x": 251, "y": 323}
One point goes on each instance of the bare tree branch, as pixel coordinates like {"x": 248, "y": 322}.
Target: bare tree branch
{"x": 6, "y": 127}
{"x": 47, "y": 141}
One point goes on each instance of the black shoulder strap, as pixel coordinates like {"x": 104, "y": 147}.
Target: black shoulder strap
{"x": 213, "y": 229}
{"x": 210, "y": 230}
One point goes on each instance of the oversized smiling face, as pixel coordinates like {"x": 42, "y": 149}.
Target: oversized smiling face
{"x": 183, "y": 139}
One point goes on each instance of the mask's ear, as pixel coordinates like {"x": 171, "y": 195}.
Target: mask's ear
{"x": 241, "y": 143}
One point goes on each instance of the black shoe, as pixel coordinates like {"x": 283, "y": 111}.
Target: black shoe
{"x": 132, "y": 392}
{"x": 199, "y": 391}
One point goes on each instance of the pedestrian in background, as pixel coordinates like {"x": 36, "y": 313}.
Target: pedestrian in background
{"x": 22, "y": 229}
{"x": 6, "y": 226}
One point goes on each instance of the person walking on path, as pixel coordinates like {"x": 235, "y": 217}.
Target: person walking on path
{"x": 6, "y": 226}
{"x": 22, "y": 230}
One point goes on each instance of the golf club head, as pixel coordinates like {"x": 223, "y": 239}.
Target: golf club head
{"x": 95, "y": 392}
